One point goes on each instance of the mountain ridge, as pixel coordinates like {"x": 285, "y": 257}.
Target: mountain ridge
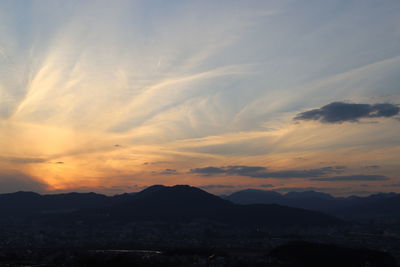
{"x": 352, "y": 207}
{"x": 180, "y": 203}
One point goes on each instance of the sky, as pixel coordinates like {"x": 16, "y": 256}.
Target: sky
{"x": 114, "y": 96}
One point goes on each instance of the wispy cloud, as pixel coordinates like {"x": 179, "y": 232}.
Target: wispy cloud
{"x": 21, "y": 160}
{"x": 106, "y": 86}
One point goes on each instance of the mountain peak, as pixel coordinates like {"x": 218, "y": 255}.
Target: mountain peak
{"x": 177, "y": 193}
{"x": 153, "y": 188}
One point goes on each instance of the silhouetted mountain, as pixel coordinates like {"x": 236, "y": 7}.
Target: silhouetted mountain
{"x": 19, "y": 202}
{"x": 379, "y": 205}
{"x": 186, "y": 203}
{"x": 74, "y": 201}
{"x": 23, "y": 204}
{"x": 374, "y": 206}
{"x": 254, "y": 196}
{"x": 168, "y": 203}
{"x": 158, "y": 203}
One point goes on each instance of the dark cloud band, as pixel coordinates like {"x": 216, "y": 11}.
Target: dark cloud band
{"x": 359, "y": 177}
{"x": 338, "y": 112}
{"x": 217, "y": 186}
{"x": 262, "y": 172}
{"x": 17, "y": 160}
{"x": 167, "y": 172}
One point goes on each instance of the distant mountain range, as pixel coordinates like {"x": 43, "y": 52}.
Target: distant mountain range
{"x": 383, "y": 205}
{"x": 157, "y": 203}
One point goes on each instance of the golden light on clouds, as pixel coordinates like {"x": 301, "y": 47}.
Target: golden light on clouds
{"x": 97, "y": 96}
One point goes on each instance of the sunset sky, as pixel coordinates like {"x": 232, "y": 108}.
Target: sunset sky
{"x": 114, "y": 96}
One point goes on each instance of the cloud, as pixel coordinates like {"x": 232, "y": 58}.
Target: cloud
{"x": 216, "y": 186}
{"x": 305, "y": 189}
{"x": 22, "y": 160}
{"x": 394, "y": 185}
{"x": 358, "y": 177}
{"x": 266, "y": 185}
{"x": 177, "y": 89}
{"x": 373, "y": 167}
{"x": 167, "y": 172}
{"x": 223, "y": 186}
{"x": 262, "y": 172}
{"x": 13, "y": 182}
{"x": 338, "y": 112}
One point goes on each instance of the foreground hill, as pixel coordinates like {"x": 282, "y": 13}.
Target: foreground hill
{"x": 374, "y": 206}
{"x": 158, "y": 203}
